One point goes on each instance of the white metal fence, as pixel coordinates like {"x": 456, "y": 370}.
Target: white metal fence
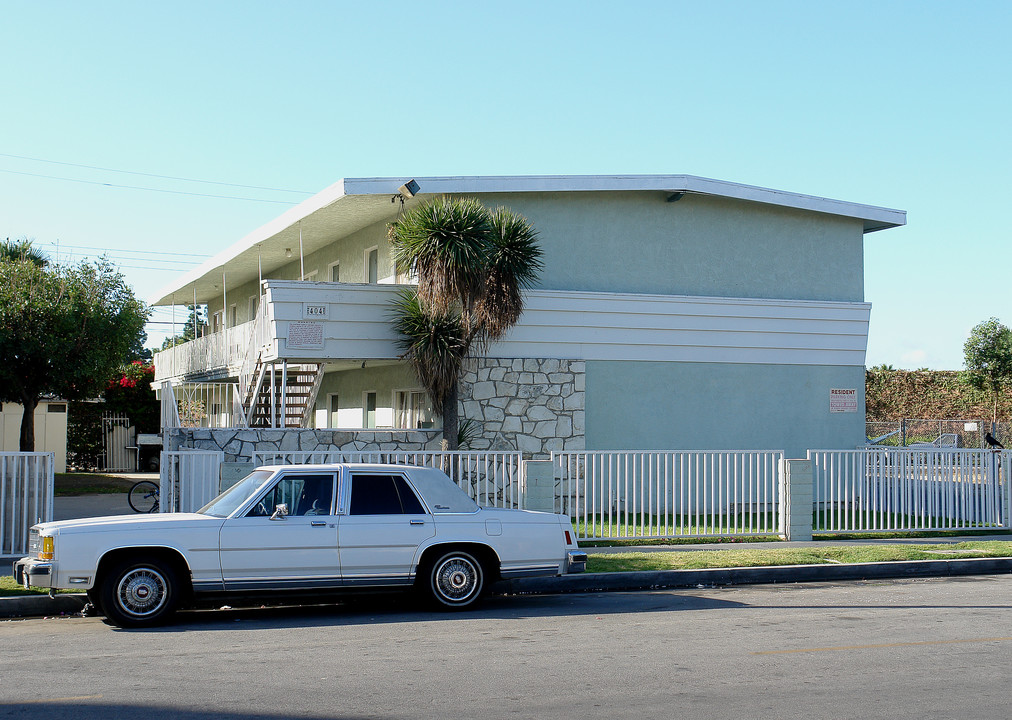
{"x": 492, "y": 479}
{"x": 901, "y": 489}
{"x": 646, "y": 494}
{"x": 189, "y": 479}
{"x": 26, "y": 497}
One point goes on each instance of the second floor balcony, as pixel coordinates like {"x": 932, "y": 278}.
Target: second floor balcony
{"x": 307, "y": 321}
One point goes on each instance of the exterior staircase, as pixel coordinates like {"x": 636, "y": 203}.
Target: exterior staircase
{"x": 298, "y": 387}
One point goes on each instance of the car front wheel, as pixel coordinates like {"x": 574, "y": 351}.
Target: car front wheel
{"x": 456, "y": 580}
{"x": 139, "y": 593}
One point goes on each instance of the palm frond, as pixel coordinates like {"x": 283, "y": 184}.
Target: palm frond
{"x": 21, "y": 250}
{"x": 447, "y": 242}
{"x": 432, "y": 343}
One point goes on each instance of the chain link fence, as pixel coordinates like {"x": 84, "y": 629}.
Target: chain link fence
{"x": 937, "y": 433}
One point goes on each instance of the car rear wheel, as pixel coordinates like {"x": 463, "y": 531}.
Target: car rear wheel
{"x": 139, "y": 593}
{"x": 456, "y": 580}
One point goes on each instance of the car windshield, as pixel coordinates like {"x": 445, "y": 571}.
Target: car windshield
{"x": 226, "y": 503}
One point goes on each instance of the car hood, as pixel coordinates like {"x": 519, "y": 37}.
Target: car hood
{"x": 126, "y": 522}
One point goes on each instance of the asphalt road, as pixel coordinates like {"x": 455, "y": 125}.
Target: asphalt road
{"x": 927, "y": 648}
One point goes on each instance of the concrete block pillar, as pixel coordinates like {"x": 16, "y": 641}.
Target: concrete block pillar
{"x": 796, "y": 484}
{"x": 538, "y": 485}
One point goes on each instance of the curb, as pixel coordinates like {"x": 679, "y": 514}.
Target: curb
{"x": 630, "y": 581}
{"x": 42, "y": 605}
{"x": 71, "y": 603}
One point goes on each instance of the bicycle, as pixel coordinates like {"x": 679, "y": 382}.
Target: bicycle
{"x": 143, "y": 497}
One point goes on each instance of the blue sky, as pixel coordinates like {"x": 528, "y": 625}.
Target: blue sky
{"x": 899, "y": 104}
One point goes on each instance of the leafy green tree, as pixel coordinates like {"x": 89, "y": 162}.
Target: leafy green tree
{"x": 473, "y": 265}
{"x": 988, "y": 358}
{"x": 63, "y": 331}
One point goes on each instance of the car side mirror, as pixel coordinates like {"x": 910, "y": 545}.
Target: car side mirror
{"x": 280, "y": 511}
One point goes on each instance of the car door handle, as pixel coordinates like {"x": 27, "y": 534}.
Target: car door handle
{"x": 318, "y": 523}
{"x": 417, "y": 522}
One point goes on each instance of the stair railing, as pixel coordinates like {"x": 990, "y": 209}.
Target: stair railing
{"x": 313, "y": 393}
{"x": 254, "y": 351}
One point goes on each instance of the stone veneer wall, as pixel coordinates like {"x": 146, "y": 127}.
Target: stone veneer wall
{"x": 239, "y": 444}
{"x": 529, "y": 405}
{"x": 526, "y": 404}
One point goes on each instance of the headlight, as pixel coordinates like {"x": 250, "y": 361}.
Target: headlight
{"x": 48, "y": 549}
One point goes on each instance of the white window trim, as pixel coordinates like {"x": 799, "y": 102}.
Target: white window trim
{"x": 311, "y": 276}
{"x": 365, "y": 263}
{"x": 330, "y": 270}
{"x": 365, "y": 410}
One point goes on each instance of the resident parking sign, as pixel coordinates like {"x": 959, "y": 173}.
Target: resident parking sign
{"x": 842, "y": 400}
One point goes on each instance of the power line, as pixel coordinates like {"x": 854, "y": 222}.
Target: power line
{"x": 144, "y": 174}
{"x": 145, "y": 252}
{"x": 149, "y": 189}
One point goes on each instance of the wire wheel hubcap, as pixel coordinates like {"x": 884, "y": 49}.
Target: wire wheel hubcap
{"x": 141, "y": 592}
{"x": 456, "y": 579}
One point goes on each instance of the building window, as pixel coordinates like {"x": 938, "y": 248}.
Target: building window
{"x": 254, "y": 305}
{"x": 372, "y": 266}
{"x": 216, "y": 322}
{"x": 311, "y": 276}
{"x": 413, "y": 410}
{"x": 233, "y": 315}
{"x": 335, "y": 272}
{"x": 332, "y": 408}
{"x": 369, "y": 410}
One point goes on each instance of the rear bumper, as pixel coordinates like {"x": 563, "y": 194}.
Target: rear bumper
{"x": 29, "y": 571}
{"x": 576, "y": 561}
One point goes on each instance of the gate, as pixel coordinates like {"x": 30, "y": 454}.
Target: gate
{"x": 189, "y": 479}
{"x": 119, "y": 449}
{"x": 906, "y": 489}
{"x": 26, "y": 497}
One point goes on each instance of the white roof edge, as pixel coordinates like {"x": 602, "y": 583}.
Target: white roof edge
{"x": 876, "y": 218}
{"x": 288, "y": 218}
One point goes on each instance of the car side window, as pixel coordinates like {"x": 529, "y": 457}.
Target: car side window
{"x": 375, "y": 494}
{"x": 303, "y": 494}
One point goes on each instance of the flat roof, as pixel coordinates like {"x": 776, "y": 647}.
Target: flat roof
{"x": 354, "y": 203}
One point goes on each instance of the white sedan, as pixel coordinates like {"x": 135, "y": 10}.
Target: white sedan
{"x": 301, "y": 528}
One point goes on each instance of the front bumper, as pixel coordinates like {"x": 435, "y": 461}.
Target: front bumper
{"x": 29, "y": 571}
{"x": 576, "y": 561}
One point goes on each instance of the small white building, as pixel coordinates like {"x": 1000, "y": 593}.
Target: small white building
{"x": 50, "y": 429}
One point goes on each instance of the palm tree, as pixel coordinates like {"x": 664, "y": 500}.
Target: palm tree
{"x": 473, "y": 265}
{"x": 21, "y": 250}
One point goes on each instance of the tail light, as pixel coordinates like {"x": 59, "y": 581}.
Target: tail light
{"x": 569, "y": 537}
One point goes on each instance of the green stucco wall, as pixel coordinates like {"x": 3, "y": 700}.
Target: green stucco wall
{"x": 705, "y": 406}
{"x": 700, "y": 245}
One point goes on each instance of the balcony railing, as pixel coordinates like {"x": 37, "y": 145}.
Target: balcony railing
{"x": 353, "y": 322}
{"x": 215, "y": 355}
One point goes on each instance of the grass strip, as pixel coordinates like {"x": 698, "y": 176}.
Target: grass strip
{"x": 89, "y": 484}
{"x": 765, "y": 557}
{"x": 9, "y": 588}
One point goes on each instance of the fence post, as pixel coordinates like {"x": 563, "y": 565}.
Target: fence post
{"x": 795, "y": 499}
{"x": 537, "y": 485}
